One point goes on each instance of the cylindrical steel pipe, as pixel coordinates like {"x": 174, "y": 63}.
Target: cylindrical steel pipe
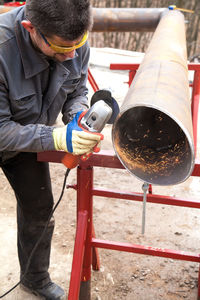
{"x": 153, "y": 134}
{"x": 4, "y": 9}
{"x": 126, "y": 19}
{"x": 120, "y": 19}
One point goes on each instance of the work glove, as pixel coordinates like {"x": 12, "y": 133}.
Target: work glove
{"x": 76, "y": 140}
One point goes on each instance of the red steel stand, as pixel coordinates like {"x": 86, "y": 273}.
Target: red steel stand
{"x": 85, "y": 253}
{"x": 92, "y": 81}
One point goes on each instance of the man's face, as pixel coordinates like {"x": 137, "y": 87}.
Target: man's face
{"x": 41, "y": 45}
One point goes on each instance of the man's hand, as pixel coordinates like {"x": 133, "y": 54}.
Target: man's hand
{"x": 72, "y": 138}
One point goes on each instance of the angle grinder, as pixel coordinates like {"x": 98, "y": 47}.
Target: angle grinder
{"x": 104, "y": 110}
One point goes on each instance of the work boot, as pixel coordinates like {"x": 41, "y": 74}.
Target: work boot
{"x": 50, "y": 291}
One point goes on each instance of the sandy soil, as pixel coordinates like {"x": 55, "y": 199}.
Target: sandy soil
{"x": 122, "y": 275}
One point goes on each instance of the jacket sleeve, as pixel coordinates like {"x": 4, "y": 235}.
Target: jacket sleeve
{"x": 78, "y": 100}
{"x": 22, "y": 138}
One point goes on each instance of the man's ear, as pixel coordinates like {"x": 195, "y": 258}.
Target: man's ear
{"x": 28, "y": 26}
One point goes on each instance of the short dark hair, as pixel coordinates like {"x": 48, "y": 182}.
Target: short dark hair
{"x": 68, "y": 19}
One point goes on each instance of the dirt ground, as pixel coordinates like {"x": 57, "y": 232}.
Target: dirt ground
{"x": 123, "y": 276}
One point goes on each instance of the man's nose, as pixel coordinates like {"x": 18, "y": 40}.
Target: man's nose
{"x": 70, "y": 54}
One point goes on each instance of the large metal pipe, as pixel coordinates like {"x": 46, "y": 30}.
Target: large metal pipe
{"x": 126, "y": 19}
{"x": 120, "y": 19}
{"x": 4, "y": 9}
{"x": 153, "y": 135}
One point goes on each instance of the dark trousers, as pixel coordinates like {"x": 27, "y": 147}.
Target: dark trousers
{"x": 31, "y": 183}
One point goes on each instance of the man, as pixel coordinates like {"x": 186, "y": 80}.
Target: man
{"x": 43, "y": 70}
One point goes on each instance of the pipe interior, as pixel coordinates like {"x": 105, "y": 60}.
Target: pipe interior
{"x": 152, "y": 146}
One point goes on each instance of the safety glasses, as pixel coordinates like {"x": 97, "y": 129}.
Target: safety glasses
{"x": 60, "y": 49}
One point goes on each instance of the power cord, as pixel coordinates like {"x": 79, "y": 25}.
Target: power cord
{"x": 42, "y": 235}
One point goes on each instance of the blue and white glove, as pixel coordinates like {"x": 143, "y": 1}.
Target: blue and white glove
{"x": 76, "y": 140}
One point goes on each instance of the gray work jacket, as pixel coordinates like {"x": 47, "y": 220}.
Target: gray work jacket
{"x": 31, "y": 93}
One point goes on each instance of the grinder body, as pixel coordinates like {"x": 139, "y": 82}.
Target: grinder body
{"x": 94, "y": 121}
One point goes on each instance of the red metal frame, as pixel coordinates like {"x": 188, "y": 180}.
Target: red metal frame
{"x": 79, "y": 250}
{"x": 85, "y": 241}
{"x": 16, "y": 3}
{"x": 92, "y": 81}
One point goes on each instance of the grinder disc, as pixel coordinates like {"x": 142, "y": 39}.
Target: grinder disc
{"x": 106, "y": 96}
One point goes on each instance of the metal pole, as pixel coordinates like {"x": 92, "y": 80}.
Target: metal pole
{"x": 126, "y": 19}
{"x": 153, "y": 135}
{"x": 145, "y": 187}
{"x": 4, "y": 9}
{"x": 120, "y": 19}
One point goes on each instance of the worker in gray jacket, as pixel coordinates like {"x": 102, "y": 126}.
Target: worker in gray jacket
{"x": 43, "y": 71}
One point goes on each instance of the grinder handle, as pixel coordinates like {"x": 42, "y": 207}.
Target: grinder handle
{"x": 70, "y": 161}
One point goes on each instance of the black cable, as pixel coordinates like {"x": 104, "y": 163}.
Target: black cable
{"x": 42, "y": 235}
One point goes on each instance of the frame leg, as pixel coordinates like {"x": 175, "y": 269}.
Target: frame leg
{"x": 95, "y": 255}
{"x": 77, "y": 263}
{"x": 85, "y": 289}
{"x": 84, "y": 202}
{"x": 198, "y": 298}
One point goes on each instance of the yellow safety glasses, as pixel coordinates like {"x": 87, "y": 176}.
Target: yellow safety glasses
{"x": 61, "y": 49}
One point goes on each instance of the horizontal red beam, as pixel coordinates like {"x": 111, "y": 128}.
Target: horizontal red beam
{"x": 106, "y": 159}
{"x": 151, "y": 198}
{"x": 122, "y": 66}
{"x": 79, "y": 248}
{"x": 51, "y": 156}
{"x": 103, "y": 159}
{"x": 146, "y": 250}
